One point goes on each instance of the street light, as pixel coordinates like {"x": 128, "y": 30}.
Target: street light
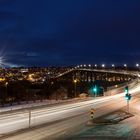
{"x": 113, "y": 66}
{"x": 138, "y": 68}
{"x": 6, "y": 84}
{"x": 137, "y": 65}
{"x": 125, "y": 65}
{"x": 89, "y": 65}
{"x": 103, "y": 65}
{"x": 84, "y": 65}
{"x": 95, "y": 65}
{"x": 75, "y": 87}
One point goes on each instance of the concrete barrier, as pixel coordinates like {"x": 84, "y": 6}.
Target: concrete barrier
{"x": 120, "y": 88}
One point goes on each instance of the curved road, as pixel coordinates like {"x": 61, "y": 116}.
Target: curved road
{"x": 67, "y": 117}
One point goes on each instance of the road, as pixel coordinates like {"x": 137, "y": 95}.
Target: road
{"x": 127, "y": 129}
{"x": 61, "y": 120}
{"x": 38, "y": 103}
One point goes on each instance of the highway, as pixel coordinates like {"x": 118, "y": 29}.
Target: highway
{"x": 61, "y": 119}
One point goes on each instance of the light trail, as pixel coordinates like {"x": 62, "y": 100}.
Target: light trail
{"x": 39, "y": 116}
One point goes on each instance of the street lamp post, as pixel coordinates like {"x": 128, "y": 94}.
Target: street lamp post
{"x": 75, "y": 87}
{"x": 29, "y": 118}
{"x": 95, "y": 66}
{"x": 113, "y": 66}
{"x": 137, "y": 65}
{"x": 89, "y": 65}
{"x": 6, "y": 84}
{"x": 103, "y": 66}
{"x": 125, "y": 65}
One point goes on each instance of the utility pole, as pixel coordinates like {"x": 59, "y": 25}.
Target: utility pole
{"x": 30, "y": 118}
{"x": 75, "y": 87}
{"x": 128, "y": 106}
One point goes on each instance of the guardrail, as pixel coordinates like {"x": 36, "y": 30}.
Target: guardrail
{"x": 120, "y": 88}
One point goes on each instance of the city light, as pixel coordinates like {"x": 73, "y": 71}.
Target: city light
{"x": 103, "y": 65}
{"x": 137, "y": 65}
{"x": 113, "y": 65}
{"x": 6, "y": 83}
{"x": 75, "y": 87}
{"x": 30, "y": 77}
{"x": 75, "y": 81}
{"x": 2, "y": 79}
{"x": 125, "y": 65}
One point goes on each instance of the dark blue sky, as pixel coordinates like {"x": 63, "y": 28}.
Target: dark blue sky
{"x": 65, "y": 32}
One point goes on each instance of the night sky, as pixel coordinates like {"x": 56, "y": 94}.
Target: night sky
{"x": 69, "y": 32}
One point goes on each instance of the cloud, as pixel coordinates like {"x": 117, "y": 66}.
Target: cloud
{"x": 32, "y": 54}
{"x": 67, "y": 32}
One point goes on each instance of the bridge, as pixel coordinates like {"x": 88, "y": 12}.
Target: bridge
{"x": 92, "y": 73}
{"x": 108, "y": 75}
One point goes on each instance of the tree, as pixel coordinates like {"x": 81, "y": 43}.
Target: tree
{"x": 59, "y": 94}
